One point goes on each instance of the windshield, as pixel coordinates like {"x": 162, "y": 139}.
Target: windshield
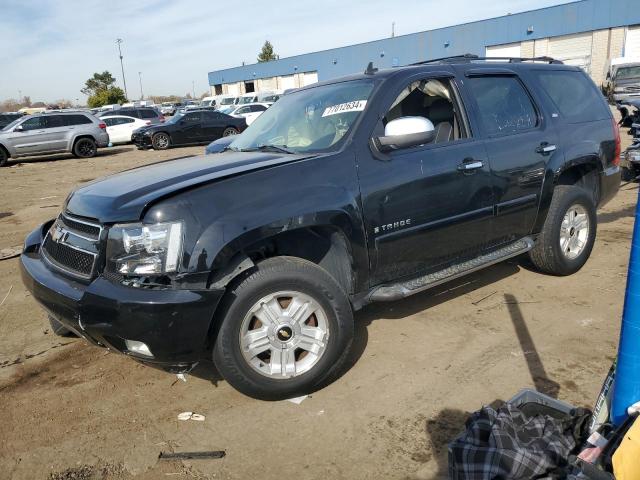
{"x": 227, "y": 110}
{"x": 244, "y": 100}
{"x": 628, "y": 72}
{"x": 206, "y": 103}
{"x": 227, "y": 101}
{"x": 313, "y": 120}
{"x": 167, "y": 104}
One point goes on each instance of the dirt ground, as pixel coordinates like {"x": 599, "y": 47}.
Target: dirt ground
{"x": 73, "y": 411}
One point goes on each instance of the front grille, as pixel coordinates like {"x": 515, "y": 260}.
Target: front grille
{"x": 68, "y": 258}
{"x": 71, "y": 245}
{"x": 80, "y": 226}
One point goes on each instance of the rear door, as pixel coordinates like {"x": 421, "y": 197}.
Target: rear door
{"x": 57, "y": 133}
{"x": 518, "y": 142}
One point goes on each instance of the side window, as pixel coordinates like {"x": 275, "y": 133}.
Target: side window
{"x": 34, "y": 123}
{"x": 258, "y": 108}
{"x": 210, "y": 116}
{"x": 147, "y": 114}
{"x": 433, "y": 99}
{"x": 110, "y": 121}
{"x": 53, "y": 121}
{"x": 76, "y": 120}
{"x": 243, "y": 110}
{"x": 126, "y": 120}
{"x": 192, "y": 118}
{"x": 574, "y": 95}
{"x": 503, "y": 104}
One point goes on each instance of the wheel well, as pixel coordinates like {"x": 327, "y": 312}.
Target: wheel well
{"x": 5, "y": 150}
{"x": 585, "y": 176}
{"x": 232, "y": 126}
{"x": 80, "y": 137}
{"x": 327, "y": 247}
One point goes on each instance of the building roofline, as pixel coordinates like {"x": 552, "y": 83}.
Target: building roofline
{"x": 445, "y": 27}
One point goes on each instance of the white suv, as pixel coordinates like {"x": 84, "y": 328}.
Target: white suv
{"x": 79, "y": 133}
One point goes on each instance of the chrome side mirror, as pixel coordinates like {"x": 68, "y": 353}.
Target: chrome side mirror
{"x": 406, "y": 132}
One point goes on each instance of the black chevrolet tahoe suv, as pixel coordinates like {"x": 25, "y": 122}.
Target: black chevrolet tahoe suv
{"x": 366, "y": 188}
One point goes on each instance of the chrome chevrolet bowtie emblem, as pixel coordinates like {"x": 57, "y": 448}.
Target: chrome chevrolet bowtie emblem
{"x": 57, "y": 234}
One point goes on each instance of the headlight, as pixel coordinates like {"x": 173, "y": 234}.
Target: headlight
{"x": 137, "y": 249}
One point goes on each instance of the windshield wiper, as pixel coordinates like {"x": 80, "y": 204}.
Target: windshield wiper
{"x": 268, "y": 148}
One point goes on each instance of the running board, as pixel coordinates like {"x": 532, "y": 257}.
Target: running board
{"x": 394, "y": 291}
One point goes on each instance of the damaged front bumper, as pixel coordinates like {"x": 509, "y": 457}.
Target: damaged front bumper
{"x": 173, "y": 323}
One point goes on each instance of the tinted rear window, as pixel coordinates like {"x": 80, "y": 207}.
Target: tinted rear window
{"x": 505, "y": 107}
{"x": 148, "y": 114}
{"x": 574, "y": 95}
{"x": 76, "y": 119}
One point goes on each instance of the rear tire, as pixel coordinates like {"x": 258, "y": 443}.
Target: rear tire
{"x": 85, "y": 148}
{"x": 59, "y": 329}
{"x": 161, "y": 141}
{"x": 569, "y": 232}
{"x": 229, "y": 131}
{"x": 286, "y": 330}
{"x": 4, "y": 157}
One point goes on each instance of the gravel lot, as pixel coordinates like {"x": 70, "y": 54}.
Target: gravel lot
{"x": 73, "y": 411}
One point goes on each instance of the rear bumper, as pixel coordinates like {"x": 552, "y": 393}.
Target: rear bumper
{"x": 102, "y": 140}
{"x": 173, "y": 323}
{"x": 609, "y": 184}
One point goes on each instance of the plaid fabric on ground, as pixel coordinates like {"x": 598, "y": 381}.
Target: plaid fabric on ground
{"x": 505, "y": 444}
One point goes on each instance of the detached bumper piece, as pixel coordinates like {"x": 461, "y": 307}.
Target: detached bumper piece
{"x": 165, "y": 327}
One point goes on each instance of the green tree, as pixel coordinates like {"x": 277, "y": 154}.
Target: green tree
{"x": 101, "y": 90}
{"x": 110, "y": 96}
{"x": 267, "y": 54}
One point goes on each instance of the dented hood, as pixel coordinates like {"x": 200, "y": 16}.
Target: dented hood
{"x": 123, "y": 197}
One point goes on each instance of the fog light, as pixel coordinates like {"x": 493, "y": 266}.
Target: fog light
{"x": 138, "y": 347}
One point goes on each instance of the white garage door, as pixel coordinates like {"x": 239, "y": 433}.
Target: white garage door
{"x": 233, "y": 89}
{"x": 309, "y": 78}
{"x": 268, "y": 84}
{"x": 287, "y": 81}
{"x": 632, "y": 42}
{"x": 572, "y": 49}
{"x": 509, "y": 50}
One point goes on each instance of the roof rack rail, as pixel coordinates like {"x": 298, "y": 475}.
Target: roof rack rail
{"x": 469, "y": 57}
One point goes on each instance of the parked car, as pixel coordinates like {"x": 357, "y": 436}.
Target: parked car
{"x": 623, "y": 80}
{"x": 190, "y": 128}
{"x": 249, "y": 111}
{"x": 143, "y": 113}
{"x": 361, "y": 189}
{"x": 226, "y": 101}
{"x": 247, "y": 98}
{"x": 44, "y": 133}
{"x": 169, "y": 108}
{"x": 7, "y": 118}
{"x": 120, "y": 127}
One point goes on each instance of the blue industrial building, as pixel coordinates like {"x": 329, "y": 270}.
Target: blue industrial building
{"x": 586, "y": 33}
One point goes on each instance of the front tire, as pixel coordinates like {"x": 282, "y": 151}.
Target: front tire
{"x": 161, "y": 141}
{"x": 85, "y": 148}
{"x": 569, "y": 232}
{"x": 286, "y": 330}
{"x": 4, "y": 157}
{"x": 229, "y": 131}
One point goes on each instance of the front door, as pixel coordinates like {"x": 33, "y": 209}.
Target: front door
{"x": 430, "y": 206}
{"x": 30, "y": 138}
{"x": 190, "y": 129}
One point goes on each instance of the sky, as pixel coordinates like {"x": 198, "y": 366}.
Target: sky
{"x": 50, "y": 48}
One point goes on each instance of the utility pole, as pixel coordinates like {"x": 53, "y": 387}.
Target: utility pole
{"x": 193, "y": 88}
{"x": 20, "y": 95}
{"x": 393, "y": 29}
{"x": 141, "y": 94}
{"x": 119, "y": 41}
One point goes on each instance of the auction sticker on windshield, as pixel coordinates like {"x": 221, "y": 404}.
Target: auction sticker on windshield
{"x": 356, "y": 106}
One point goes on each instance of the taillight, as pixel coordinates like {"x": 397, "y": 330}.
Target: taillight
{"x": 102, "y": 126}
{"x": 616, "y": 133}
{"x": 148, "y": 122}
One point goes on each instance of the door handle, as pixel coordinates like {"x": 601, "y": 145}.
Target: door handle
{"x": 469, "y": 165}
{"x": 546, "y": 148}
